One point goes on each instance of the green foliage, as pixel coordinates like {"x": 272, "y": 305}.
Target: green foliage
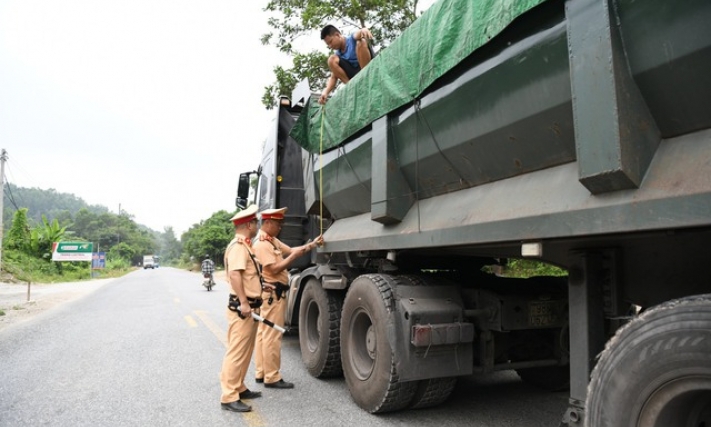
{"x": 525, "y": 268}
{"x": 298, "y": 18}
{"x": 19, "y": 235}
{"x": 29, "y": 268}
{"x": 117, "y": 264}
{"x": 209, "y": 237}
{"x": 169, "y": 247}
{"x": 304, "y": 65}
{"x": 42, "y": 237}
{"x": 50, "y": 203}
{"x": 121, "y": 252}
{"x": 28, "y": 242}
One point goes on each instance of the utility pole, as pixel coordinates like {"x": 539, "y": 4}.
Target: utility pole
{"x": 3, "y": 159}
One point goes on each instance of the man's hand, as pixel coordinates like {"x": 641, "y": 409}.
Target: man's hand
{"x": 323, "y": 98}
{"x": 319, "y": 240}
{"x": 365, "y": 34}
{"x": 245, "y": 309}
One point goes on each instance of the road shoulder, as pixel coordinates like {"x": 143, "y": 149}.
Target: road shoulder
{"x": 42, "y": 297}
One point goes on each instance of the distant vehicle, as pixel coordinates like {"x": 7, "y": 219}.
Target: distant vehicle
{"x": 148, "y": 262}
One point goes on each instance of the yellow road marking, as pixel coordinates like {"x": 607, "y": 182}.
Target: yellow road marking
{"x": 254, "y": 419}
{"x": 192, "y": 323}
{"x": 212, "y": 326}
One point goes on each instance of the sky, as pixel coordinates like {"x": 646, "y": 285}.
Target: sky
{"x": 148, "y": 106}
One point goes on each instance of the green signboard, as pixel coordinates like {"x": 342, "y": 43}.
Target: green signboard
{"x": 72, "y": 251}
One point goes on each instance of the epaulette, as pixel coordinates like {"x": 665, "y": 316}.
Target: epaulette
{"x": 241, "y": 240}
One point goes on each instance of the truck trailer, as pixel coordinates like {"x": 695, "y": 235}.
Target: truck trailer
{"x": 575, "y": 133}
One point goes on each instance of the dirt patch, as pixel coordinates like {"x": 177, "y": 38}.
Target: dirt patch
{"x": 16, "y": 305}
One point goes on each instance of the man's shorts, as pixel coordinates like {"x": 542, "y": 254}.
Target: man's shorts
{"x": 350, "y": 70}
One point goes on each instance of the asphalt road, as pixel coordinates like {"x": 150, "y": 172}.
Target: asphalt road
{"x": 146, "y": 350}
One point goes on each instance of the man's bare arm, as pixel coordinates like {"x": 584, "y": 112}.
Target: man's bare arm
{"x": 238, "y": 289}
{"x": 330, "y": 85}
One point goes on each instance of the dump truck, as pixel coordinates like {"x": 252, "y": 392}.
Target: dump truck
{"x": 573, "y": 133}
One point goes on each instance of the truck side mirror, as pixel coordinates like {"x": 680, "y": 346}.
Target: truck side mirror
{"x": 243, "y": 190}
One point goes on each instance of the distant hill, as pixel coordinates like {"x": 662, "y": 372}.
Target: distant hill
{"x": 51, "y": 203}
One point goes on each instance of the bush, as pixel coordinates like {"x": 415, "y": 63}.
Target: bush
{"x": 27, "y": 268}
{"x": 525, "y": 268}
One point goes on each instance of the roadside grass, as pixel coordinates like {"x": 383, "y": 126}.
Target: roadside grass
{"x": 23, "y": 268}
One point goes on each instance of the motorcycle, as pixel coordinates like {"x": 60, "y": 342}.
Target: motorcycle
{"x": 209, "y": 282}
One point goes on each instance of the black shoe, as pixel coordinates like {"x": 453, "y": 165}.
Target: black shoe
{"x": 279, "y": 384}
{"x": 259, "y": 380}
{"x": 249, "y": 394}
{"x": 236, "y": 406}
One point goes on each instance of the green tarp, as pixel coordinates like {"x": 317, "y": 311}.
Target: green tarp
{"x": 448, "y": 32}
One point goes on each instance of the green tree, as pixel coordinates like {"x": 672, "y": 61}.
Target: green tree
{"x": 107, "y": 230}
{"x": 292, "y": 19}
{"x": 169, "y": 246}
{"x": 209, "y": 237}
{"x": 122, "y": 251}
{"x": 43, "y": 235}
{"x": 19, "y": 235}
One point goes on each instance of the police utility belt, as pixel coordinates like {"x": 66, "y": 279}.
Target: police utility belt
{"x": 234, "y": 304}
{"x": 254, "y": 303}
{"x": 279, "y": 290}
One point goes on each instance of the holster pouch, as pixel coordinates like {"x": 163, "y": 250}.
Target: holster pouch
{"x": 234, "y": 304}
{"x": 280, "y": 289}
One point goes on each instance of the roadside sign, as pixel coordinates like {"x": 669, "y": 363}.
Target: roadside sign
{"x": 98, "y": 260}
{"x": 72, "y": 251}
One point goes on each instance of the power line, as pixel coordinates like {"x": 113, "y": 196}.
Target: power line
{"x": 11, "y": 198}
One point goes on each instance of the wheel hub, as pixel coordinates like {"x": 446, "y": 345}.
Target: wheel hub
{"x": 370, "y": 342}
{"x": 682, "y": 402}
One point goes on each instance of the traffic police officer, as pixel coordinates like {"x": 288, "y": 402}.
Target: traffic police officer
{"x": 243, "y": 277}
{"x": 271, "y": 251}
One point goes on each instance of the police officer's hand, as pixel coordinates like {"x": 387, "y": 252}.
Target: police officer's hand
{"x": 245, "y": 309}
{"x": 319, "y": 240}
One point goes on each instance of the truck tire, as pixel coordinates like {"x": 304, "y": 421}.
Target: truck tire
{"x": 432, "y": 392}
{"x": 319, "y": 328}
{"x": 656, "y": 371}
{"x": 366, "y": 355}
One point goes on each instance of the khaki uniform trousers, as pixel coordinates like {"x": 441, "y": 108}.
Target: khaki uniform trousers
{"x": 241, "y": 334}
{"x": 267, "y": 353}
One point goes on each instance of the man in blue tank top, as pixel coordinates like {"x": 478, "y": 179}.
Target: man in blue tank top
{"x": 351, "y": 54}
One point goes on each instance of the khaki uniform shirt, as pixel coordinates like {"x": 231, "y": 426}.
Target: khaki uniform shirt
{"x": 268, "y": 251}
{"x": 237, "y": 258}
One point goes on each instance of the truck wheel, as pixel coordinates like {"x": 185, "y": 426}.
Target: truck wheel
{"x": 432, "y": 392}
{"x": 656, "y": 371}
{"x": 550, "y": 378}
{"x": 367, "y": 358}
{"x": 319, "y": 324}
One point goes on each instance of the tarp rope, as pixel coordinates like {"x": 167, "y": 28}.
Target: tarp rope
{"x": 320, "y": 172}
